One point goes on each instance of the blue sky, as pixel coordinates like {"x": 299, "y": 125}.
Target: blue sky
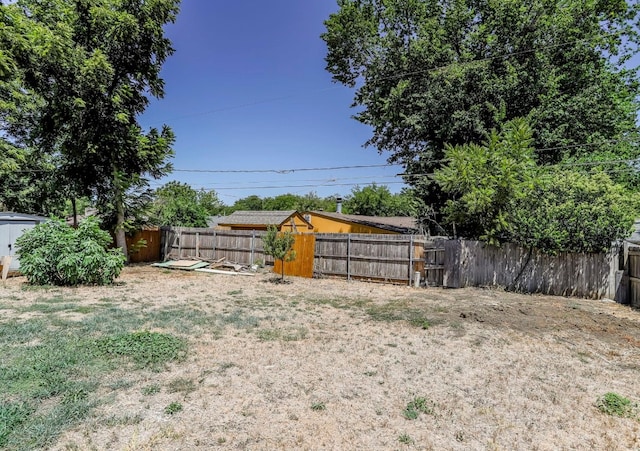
{"x": 247, "y": 90}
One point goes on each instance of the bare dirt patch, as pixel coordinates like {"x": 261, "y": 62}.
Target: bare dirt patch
{"x": 331, "y": 364}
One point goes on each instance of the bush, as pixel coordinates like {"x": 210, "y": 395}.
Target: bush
{"x": 575, "y": 212}
{"x": 53, "y": 253}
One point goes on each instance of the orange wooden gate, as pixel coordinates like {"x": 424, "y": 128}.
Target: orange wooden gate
{"x": 302, "y": 266}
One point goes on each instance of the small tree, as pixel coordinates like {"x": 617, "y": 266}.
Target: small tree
{"x": 278, "y": 245}
{"x": 54, "y": 253}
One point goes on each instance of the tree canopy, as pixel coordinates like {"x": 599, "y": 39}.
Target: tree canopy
{"x": 177, "y": 204}
{"x": 498, "y": 193}
{"x": 377, "y": 200}
{"x": 91, "y": 66}
{"x": 433, "y": 72}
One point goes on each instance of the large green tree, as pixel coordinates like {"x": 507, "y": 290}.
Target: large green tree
{"x": 377, "y": 200}
{"x": 499, "y": 194}
{"x": 432, "y": 72}
{"x": 177, "y": 204}
{"x": 93, "y": 64}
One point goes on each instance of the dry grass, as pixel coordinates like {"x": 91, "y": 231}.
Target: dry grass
{"x": 328, "y": 364}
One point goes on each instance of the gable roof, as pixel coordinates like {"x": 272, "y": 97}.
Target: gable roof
{"x": 400, "y": 224}
{"x": 260, "y": 218}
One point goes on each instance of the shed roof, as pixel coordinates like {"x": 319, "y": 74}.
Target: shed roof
{"x": 400, "y": 224}
{"x": 11, "y": 216}
{"x": 260, "y": 218}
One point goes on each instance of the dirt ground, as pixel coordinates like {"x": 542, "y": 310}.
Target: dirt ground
{"x": 331, "y": 364}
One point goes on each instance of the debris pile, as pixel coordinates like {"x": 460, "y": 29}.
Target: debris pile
{"x": 220, "y": 266}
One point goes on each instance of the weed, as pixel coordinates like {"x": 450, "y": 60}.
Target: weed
{"x": 318, "y": 406}
{"x": 289, "y": 334}
{"x": 181, "y": 385}
{"x": 269, "y": 334}
{"x": 239, "y": 320}
{"x": 151, "y": 389}
{"x": 234, "y": 292}
{"x": 405, "y": 439}
{"x": 422, "y": 323}
{"x": 172, "y": 408}
{"x": 225, "y": 366}
{"x": 616, "y": 405}
{"x": 417, "y": 406}
{"x": 146, "y": 349}
{"x": 123, "y": 420}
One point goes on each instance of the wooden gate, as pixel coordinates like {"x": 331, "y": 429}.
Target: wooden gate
{"x": 304, "y": 247}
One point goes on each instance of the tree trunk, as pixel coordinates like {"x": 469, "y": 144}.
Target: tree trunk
{"x": 121, "y": 240}
{"x": 75, "y": 212}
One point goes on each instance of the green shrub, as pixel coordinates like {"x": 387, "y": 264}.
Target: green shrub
{"x": 54, "y": 253}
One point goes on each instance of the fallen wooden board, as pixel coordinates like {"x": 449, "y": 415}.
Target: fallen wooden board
{"x": 193, "y": 264}
{"x": 183, "y": 263}
{"x": 229, "y": 273}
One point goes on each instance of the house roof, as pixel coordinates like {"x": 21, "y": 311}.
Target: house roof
{"x": 400, "y": 224}
{"x": 11, "y": 216}
{"x": 260, "y": 218}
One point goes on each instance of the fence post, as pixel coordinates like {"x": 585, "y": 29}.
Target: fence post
{"x": 213, "y": 255}
{"x": 253, "y": 241}
{"x": 197, "y": 244}
{"x": 348, "y": 256}
{"x": 410, "y": 260}
{"x": 180, "y": 245}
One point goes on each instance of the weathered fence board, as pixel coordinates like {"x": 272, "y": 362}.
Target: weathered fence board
{"x": 472, "y": 263}
{"x": 393, "y": 258}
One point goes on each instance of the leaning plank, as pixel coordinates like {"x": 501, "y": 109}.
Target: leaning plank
{"x": 230, "y": 273}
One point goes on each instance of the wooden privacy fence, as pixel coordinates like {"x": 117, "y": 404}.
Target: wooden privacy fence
{"x": 369, "y": 256}
{"x": 438, "y": 261}
{"x": 394, "y": 258}
{"x": 472, "y": 263}
{"x": 240, "y": 246}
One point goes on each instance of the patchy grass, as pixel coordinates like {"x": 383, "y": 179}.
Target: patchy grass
{"x": 173, "y": 408}
{"x": 617, "y": 405}
{"x": 52, "y": 369}
{"x": 417, "y": 406}
{"x": 77, "y": 372}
